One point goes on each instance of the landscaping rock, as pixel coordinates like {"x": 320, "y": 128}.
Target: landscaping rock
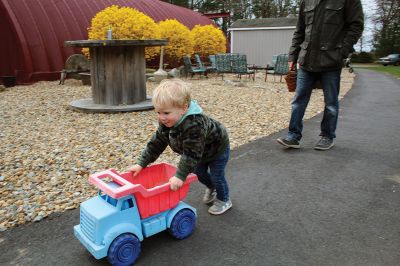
{"x": 48, "y": 151}
{"x": 236, "y": 83}
{"x": 174, "y": 73}
{"x": 160, "y": 75}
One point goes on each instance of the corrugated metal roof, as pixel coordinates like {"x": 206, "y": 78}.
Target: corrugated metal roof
{"x": 33, "y": 31}
{"x": 263, "y": 23}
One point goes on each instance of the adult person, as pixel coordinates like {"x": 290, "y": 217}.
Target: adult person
{"x": 325, "y": 34}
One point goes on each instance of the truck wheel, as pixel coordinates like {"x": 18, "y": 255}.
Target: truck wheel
{"x": 124, "y": 250}
{"x": 183, "y": 224}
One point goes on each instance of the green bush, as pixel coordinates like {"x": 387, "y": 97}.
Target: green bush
{"x": 362, "y": 57}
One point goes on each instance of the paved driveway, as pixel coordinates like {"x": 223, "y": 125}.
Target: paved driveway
{"x": 291, "y": 207}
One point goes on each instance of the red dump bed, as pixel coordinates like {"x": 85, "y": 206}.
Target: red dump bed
{"x": 150, "y": 187}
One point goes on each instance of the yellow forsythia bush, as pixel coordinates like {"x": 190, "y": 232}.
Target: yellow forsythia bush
{"x": 180, "y": 41}
{"x": 208, "y": 40}
{"x": 126, "y": 23}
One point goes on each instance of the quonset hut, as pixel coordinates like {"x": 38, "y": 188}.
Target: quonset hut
{"x": 33, "y": 31}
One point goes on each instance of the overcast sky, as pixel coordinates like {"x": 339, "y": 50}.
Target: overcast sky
{"x": 369, "y": 8}
{"x": 368, "y": 4}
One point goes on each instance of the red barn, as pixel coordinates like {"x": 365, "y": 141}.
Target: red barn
{"x": 34, "y": 31}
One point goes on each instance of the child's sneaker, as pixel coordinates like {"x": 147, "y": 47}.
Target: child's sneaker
{"x": 209, "y": 195}
{"x": 219, "y": 207}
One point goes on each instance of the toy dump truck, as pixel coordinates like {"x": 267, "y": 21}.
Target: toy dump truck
{"x": 129, "y": 208}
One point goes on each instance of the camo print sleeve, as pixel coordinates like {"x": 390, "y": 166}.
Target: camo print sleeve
{"x": 197, "y": 139}
{"x": 193, "y": 147}
{"x": 157, "y": 144}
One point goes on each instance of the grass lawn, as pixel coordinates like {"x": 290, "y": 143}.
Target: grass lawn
{"x": 393, "y": 70}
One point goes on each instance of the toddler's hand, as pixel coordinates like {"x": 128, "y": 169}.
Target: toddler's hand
{"x": 175, "y": 183}
{"x": 135, "y": 169}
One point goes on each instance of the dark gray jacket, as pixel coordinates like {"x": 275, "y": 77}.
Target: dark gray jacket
{"x": 325, "y": 34}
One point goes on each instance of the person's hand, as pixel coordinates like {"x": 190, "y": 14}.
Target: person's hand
{"x": 175, "y": 183}
{"x": 135, "y": 169}
{"x": 291, "y": 65}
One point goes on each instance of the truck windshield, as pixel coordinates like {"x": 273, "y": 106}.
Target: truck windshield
{"x": 108, "y": 198}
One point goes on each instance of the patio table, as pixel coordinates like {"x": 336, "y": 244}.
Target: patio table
{"x": 118, "y": 75}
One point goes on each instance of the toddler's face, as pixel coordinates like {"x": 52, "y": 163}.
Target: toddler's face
{"x": 169, "y": 116}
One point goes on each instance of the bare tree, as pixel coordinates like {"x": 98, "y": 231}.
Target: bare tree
{"x": 184, "y": 3}
{"x": 387, "y": 33}
{"x": 274, "y": 8}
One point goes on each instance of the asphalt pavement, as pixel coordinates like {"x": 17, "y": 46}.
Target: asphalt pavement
{"x": 290, "y": 207}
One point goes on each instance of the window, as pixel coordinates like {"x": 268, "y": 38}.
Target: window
{"x": 112, "y": 201}
{"x": 127, "y": 204}
{"x": 107, "y": 198}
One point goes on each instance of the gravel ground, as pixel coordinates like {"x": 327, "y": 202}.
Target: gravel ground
{"x": 47, "y": 150}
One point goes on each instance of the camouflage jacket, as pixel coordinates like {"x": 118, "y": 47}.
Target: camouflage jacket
{"x": 196, "y": 137}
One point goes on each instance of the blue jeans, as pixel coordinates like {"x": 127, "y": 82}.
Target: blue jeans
{"x": 330, "y": 81}
{"x": 212, "y": 175}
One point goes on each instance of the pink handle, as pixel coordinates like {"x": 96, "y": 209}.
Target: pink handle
{"x": 126, "y": 187}
{"x": 123, "y": 190}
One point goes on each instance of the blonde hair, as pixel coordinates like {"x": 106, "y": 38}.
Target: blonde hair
{"x": 171, "y": 92}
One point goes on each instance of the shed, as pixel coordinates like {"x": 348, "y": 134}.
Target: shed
{"x": 34, "y": 31}
{"x": 262, "y": 38}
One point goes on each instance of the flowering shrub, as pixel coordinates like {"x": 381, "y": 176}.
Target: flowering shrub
{"x": 180, "y": 41}
{"x": 125, "y": 23}
{"x": 208, "y": 40}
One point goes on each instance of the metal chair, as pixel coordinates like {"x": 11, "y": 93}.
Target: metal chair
{"x": 213, "y": 63}
{"x": 281, "y": 67}
{"x": 271, "y": 65}
{"x": 223, "y": 64}
{"x": 240, "y": 67}
{"x": 200, "y": 64}
{"x": 189, "y": 68}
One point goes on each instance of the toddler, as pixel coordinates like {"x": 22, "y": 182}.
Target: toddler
{"x": 201, "y": 141}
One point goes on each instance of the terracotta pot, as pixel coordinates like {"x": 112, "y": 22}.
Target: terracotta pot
{"x": 291, "y": 79}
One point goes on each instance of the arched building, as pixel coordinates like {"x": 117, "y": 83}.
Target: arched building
{"x": 34, "y": 31}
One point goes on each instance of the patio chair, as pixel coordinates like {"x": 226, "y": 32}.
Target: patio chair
{"x": 75, "y": 64}
{"x": 271, "y": 65}
{"x": 213, "y": 63}
{"x": 281, "y": 67}
{"x": 223, "y": 64}
{"x": 198, "y": 61}
{"x": 189, "y": 68}
{"x": 200, "y": 64}
{"x": 240, "y": 67}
